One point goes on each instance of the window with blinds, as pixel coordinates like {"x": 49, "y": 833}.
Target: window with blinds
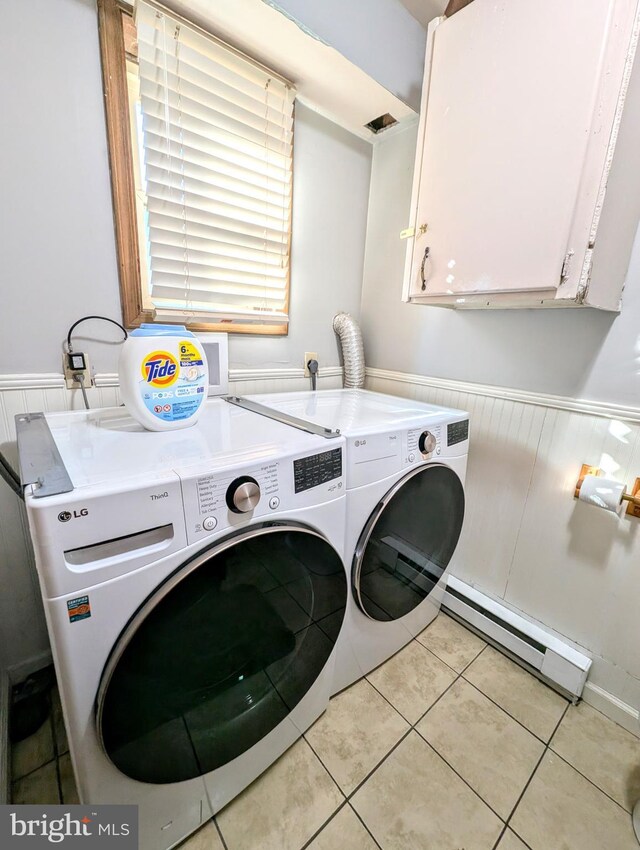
{"x": 212, "y": 144}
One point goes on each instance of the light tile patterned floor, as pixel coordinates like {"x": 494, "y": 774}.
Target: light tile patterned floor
{"x": 447, "y": 746}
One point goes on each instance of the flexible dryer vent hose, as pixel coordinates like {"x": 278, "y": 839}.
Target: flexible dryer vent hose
{"x": 350, "y": 336}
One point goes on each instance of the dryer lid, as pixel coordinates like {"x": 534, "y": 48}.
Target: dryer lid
{"x": 358, "y": 412}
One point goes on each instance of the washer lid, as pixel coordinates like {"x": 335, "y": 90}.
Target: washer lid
{"x": 358, "y": 412}
{"x": 108, "y": 445}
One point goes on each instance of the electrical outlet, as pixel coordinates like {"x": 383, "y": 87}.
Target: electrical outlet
{"x": 309, "y": 355}
{"x": 76, "y": 363}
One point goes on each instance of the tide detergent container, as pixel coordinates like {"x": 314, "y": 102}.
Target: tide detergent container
{"x": 164, "y": 377}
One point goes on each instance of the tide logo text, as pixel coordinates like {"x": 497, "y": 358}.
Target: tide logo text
{"x": 160, "y": 369}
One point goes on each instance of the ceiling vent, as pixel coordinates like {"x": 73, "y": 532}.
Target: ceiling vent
{"x": 382, "y": 123}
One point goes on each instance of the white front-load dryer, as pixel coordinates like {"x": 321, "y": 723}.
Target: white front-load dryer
{"x": 406, "y": 465}
{"x": 194, "y": 589}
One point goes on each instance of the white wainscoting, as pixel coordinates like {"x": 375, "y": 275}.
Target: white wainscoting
{"x": 248, "y": 381}
{"x": 23, "y": 633}
{"x": 526, "y": 541}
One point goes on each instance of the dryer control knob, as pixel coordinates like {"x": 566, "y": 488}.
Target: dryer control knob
{"x": 243, "y": 494}
{"x": 427, "y": 442}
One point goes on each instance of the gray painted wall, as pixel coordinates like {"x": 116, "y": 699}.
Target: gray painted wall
{"x": 380, "y": 36}
{"x": 56, "y": 237}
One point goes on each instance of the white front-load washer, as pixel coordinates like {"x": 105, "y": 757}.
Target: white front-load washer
{"x": 406, "y": 465}
{"x": 194, "y": 589}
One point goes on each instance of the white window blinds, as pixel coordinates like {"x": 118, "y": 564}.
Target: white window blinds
{"x": 217, "y": 140}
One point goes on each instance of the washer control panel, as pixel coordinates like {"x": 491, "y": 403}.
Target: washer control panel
{"x": 222, "y": 499}
{"x": 317, "y": 469}
{"x": 218, "y": 500}
{"x": 243, "y": 494}
{"x": 212, "y": 489}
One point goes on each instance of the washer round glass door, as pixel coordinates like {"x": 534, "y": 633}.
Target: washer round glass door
{"x": 221, "y": 653}
{"x": 408, "y": 542}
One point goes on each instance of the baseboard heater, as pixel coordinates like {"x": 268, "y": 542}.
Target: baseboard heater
{"x": 555, "y": 661}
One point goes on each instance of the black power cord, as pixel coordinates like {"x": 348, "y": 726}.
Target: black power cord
{"x": 71, "y": 356}
{"x": 312, "y": 366}
{"x": 10, "y": 477}
{"x": 86, "y": 319}
{"x": 80, "y": 378}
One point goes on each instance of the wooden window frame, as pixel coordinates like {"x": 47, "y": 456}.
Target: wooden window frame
{"x": 116, "y": 97}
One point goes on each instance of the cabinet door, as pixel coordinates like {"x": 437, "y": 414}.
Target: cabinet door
{"x": 512, "y": 88}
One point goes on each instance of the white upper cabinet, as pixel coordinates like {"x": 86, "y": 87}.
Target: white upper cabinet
{"x": 521, "y": 108}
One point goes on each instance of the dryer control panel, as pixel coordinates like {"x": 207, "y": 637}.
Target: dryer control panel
{"x": 434, "y": 441}
{"x": 422, "y": 444}
{"x": 376, "y": 456}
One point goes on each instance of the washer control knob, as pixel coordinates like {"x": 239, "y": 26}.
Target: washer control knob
{"x": 209, "y": 523}
{"x": 427, "y": 442}
{"x": 243, "y": 494}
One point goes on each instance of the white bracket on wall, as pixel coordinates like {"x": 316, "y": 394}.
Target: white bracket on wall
{"x": 41, "y": 464}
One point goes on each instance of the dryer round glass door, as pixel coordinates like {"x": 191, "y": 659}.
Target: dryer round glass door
{"x": 221, "y": 653}
{"x": 408, "y": 542}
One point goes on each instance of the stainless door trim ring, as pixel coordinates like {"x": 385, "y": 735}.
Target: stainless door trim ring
{"x": 363, "y": 540}
{"x": 161, "y": 591}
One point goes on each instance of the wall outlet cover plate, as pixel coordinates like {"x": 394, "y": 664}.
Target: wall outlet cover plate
{"x": 309, "y": 355}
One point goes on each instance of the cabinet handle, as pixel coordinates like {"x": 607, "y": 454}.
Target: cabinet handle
{"x": 422, "y": 265}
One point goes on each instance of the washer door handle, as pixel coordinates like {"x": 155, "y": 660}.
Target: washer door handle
{"x": 141, "y": 542}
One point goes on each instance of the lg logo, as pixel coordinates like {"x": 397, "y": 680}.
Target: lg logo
{"x": 65, "y": 516}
